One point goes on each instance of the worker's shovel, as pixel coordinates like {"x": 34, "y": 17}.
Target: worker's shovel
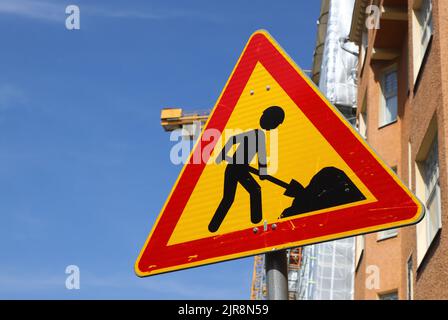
{"x": 292, "y": 189}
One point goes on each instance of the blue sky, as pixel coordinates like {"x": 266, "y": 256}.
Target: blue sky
{"x": 84, "y": 163}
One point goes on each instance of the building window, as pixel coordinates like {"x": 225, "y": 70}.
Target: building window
{"x": 389, "y": 296}
{"x": 432, "y": 190}
{"x": 410, "y": 277}
{"x": 429, "y": 190}
{"x": 389, "y": 105}
{"x": 422, "y": 32}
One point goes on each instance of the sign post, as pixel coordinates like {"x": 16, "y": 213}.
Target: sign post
{"x": 277, "y": 275}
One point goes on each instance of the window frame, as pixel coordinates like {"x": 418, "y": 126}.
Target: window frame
{"x": 419, "y": 29}
{"x": 389, "y": 293}
{"x": 383, "y": 103}
{"x": 424, "y": 228}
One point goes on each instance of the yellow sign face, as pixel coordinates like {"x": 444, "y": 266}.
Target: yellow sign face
{"x": 276, "y": 166}
{"x": 301, "y": 153}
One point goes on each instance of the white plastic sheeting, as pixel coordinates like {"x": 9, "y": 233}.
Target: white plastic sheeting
{"x": 339, "y": 61}
{"x": 327, "y": 271}
{"x": 339, "y": 65}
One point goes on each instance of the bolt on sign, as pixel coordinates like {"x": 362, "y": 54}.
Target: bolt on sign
{"x": 285, "y": 170}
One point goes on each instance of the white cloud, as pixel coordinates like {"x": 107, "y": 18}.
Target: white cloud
{"x": 33, "y": 9}
{"x": 52, "y": 11}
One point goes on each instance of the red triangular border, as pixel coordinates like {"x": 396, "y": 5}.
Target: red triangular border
{"x": 395, "y": 206}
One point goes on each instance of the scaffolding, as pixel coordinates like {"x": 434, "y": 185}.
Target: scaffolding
{"x": 327, "y": 271}
{"x": 258, "y": 288}
{"x": 294, "y": 266}
{"x": 306, "y": 277}
{"x": 335, "y": 62}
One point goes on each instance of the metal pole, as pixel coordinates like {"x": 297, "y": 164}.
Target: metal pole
{"x": 277, "y": 275}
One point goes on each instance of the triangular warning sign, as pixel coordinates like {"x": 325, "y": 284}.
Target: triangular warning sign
{"x": 276, "y": 166}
